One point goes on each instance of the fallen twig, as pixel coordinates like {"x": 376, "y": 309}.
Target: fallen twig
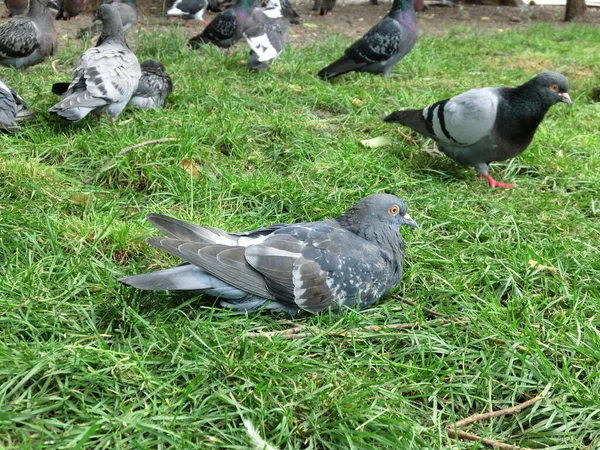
{"x": 431, "y": 312}
{"x": 453, "y": 430}
{"x": 110, "y": 162}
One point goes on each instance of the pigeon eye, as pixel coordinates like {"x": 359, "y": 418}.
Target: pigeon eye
{"x": 554, "y": 88}
{"x": 394, "y": 210}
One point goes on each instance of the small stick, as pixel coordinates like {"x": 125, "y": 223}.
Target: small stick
{"x": 500, "y": 412}
{"x": 408, "y": 138}
{"x": 427, "y": 310}
{"x": 122, "y": 152}
{"x": 487, "y": 442}
{"x": 453, "y": 430}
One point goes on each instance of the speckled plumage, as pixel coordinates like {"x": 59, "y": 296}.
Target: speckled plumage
{"x": 382, "y": 46}
{"x": 347, "y": 262}
{"x": 30, "y": 39}
{"x": 154, "y": 87}
{"x": 12, "y": 108}
{"x": 489, "y": 124}
{"x": 105, "y": 77}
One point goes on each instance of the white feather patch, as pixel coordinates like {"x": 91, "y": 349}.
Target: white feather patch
{"x": 262, "y": 47}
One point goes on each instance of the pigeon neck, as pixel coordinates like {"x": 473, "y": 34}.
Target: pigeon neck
{"x": 244, "y": 4}
{"x": 37, "y": 7}
{"x": 112, "y": 30}
{"x": 402, "y": 5}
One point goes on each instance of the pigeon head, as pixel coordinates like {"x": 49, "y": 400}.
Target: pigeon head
{"x": 106, "y": 13}
{"x": 552, "y": 86}
{"x": 376, "y": 211}
{"x": 112, "y": 27}
{"x": 152, "y": 66}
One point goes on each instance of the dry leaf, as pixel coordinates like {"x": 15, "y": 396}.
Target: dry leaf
{"x": 485, "y": 19}
{"x": 533, "y": 264}
{"x": 81, "y": 199}
{"x": 356, "y": 101}
{"x": 190, "y": 168}
{"x": 310, "y": 25}
{"x": 380, "y": 141}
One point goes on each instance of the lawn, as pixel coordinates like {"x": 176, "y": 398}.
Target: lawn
{"x": 512, "y": 275}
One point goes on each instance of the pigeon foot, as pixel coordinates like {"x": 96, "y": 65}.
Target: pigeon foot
{"x": 205, "y": 22}
{"x": 494, "y": 184}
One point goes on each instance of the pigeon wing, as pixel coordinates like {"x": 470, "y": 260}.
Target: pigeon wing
{"x": 19, "y": 38}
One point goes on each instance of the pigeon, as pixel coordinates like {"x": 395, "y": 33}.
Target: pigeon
{"x": 347, "y": 262}
{"x": 16, "y": 7}
{"x": 266, "y": 32}
{"x": 226, "y": 28}
{"x": 489, "y": 124}
{"x": 154, "y": 87}
{"x": 288, "y": 11}
{"x": 382, "y": 46}
{"x": 67, "y": 9}
{"x": 12, "y": 108}
{"x": 189, "y": 9}
{"x": 324, "y": 7}
{"x": 127, "y": 9}
{"x": 106, "y": 75}
{"x": 30, "y": 39}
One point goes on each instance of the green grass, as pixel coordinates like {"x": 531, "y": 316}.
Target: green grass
{"x": 87, "y": 363}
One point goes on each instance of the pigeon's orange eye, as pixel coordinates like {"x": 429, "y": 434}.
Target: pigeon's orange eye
{"x": 394, "y": 210}
{"x": 554, "y": 88}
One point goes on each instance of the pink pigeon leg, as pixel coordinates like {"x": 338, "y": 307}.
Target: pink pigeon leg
{"x": 493, "y": 183}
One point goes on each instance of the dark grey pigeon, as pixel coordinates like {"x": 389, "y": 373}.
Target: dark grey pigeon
{"x": 288, "y": 11}
{"x": 67, "y": 9}
{"x": 382, "y": 46}
{"x": 16, "y": 7}
{"x": 154, "y": 87}
{"x": 324, "y": 7}
{"x": 347, "y": 262}
{"x": 30, "y": 39}
{"x": 226, "y": 28}
{"x": 12, "y": 108}
{"x": 105, "y": 77}
{"x": 266, "y": 32}
{"x": 127, "y": 10}
{"x": 489, "y": 124}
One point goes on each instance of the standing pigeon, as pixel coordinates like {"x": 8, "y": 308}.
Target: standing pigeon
{"x": 189, "y": 9}
{"x": 69, "y": 9}
{"x": 105, "y": 77}
{"x": 489, "y": 124}
{"x": 266, "y": 32}
{"x": 347, "y": 262}
{"x": 127, "y": 10}
{"x": 288, "y": 11}
{"x": 324, "y": 7}
{"x": 154, "y": 87}
{"x": 382, "y": 46}
{"x": 12, "y": 108}
{"x": 16, "y": 7}
{"x": 226, "y": 28}
{"x": 30, "y": 39}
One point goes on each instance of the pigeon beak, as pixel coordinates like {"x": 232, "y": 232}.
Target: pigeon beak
{"x": 409, "y": 221}
{"x": 564, "y": 97}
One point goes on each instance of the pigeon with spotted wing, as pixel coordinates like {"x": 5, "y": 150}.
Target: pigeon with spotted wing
{"x": 106, "y": 76}
{"x": 12, "y": 108}
{"x": 347, "y": 262}
{"x": 382, "y": 46}
{"x": 154, "y": 87}
{"x": 189, "y": 10}
{"x": 28, "y": 40}
{"x": 489, "y": 124}
{"x": 266, "y": 32}
{"x": 226, "y": 28}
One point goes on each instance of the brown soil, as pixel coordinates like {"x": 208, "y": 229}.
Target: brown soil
{"x": 355, "y": 19}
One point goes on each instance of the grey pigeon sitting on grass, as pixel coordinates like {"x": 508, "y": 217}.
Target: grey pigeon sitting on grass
{"x": 266, "y": 32}
{"x": 154, "y": 87}
{"x": 489, "y": 124}
{"x": 347, "y": 262}
{"x": 382, "y": 46}
{"x": 127, "y": 10}
{"x": 30, "y": 39}
{"x": 12, "y": 108}
{"x": 106, "y": 76}
{"x": 226, "y": 28}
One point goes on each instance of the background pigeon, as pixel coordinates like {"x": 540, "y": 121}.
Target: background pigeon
{"x": 189, "y": 9}
{"x": 105, "y": 77}
{"x": 382, "y": 46}
{"x": 30, "y": 39}
{"x": 288, "y": 11}
{"x": 324, "y": 7}
{"x": 489, "y": 124}
{"x": 154, "y": 87}
{"x": 12, "y": 108}
{"x": 226, "y": 28}
{"x": 266, "y": 32}
{"x": 16, "y": 7}
{"x": 127, "y": 9}
{"x": 349, "y": 261}
{"x": 67, "y": 9}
